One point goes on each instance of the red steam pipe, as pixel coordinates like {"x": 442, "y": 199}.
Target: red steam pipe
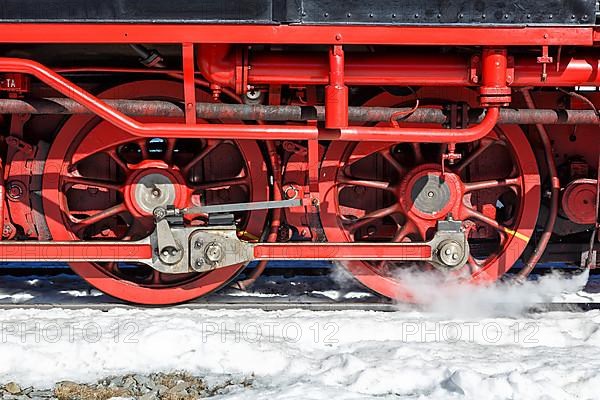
{"x": 493, "y": 90}
{"x": 240, "y": 131}
{"x": 415, "y": 69}
{"x": 336, "y": 93}
{"x": 218, "y": 62}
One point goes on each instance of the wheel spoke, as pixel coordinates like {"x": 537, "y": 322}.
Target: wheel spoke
{"x": 418, "y": 153}
{"x": 131, "y": 230}
{"x": 98, "y": 183}
{"x": 483, "y": 146}
{"x": 144, "y": 149}
{"x": 487, "y": 220}
{"x": 380, "y": 213}
{"x": 348, "y": 181}
{"x": 490, "y": 184}
{"x": 387, "y": 154}
{"x": 243, "y": 181}
{"x": 112, "y": 153}
{"x": 403, "y": 232}
{"x": 92, "y": 219}
{"x": 112, "y": 267}
{"x": 170, "y": 151}
{"x": 211, "y": 145}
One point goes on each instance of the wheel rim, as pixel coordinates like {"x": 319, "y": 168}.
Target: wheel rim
{"x": 368, "y": 194}
{"x": 101, "y": 184}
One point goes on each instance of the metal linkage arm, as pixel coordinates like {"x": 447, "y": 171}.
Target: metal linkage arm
{"x": 32, "y": 251}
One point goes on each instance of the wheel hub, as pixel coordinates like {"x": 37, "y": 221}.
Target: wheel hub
{"x": 429, "y": 195}
{"x": 153, "y": 185}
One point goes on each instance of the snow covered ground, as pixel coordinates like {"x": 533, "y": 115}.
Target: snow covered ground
{"x": 472, "y": 344}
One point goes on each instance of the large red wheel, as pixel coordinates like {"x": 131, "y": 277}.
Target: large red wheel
{"x": 395, "y": 192}
{"x": 102, "y": 184}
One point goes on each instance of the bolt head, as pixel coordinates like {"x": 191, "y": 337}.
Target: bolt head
{"x": 214, "y": 252}
{"x": 159, "y": 213}
{"x": 450, "y": 253}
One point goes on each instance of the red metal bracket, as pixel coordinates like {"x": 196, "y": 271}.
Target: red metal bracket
{"x": 189, "y": 83}
{"x": 545, "y": 59}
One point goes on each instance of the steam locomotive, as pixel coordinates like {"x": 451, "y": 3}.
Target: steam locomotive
{"x": 159, "y": 147}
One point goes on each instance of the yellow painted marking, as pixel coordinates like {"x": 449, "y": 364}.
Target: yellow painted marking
{"x": 516, "y": 234}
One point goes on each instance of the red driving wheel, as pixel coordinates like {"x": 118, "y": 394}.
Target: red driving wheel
{"x": 396, "y": 192}
{"x": 101, "y": 183}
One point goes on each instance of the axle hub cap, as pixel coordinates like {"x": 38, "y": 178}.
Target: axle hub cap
{"x": 152, "y": 186}
{"x": 430, "y": 194}
{"x": 153, "y": 190}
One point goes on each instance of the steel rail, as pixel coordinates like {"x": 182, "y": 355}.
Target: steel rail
{"x": 382, "y": 305}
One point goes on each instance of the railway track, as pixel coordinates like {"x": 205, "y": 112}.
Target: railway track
{"x": 379, "y": 306}
{"x": 278, "y": 289}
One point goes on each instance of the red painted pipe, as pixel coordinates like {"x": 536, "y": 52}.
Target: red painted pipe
{"x": 414, "y": 69}
{"x": 240, "y": 131}
{"x": 336, "y": 93}
{"x": 218, "y": 62}
{"x": 271, "y": 68}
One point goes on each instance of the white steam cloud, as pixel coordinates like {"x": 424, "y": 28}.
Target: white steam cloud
{"x": 455, "y": 299}
{"x": 435, "y": 294}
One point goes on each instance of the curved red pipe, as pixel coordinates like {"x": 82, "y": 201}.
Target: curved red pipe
{"x": 240, "y": 131}
{"x": 218, "y": 62}
{"x": 540, "y": 248}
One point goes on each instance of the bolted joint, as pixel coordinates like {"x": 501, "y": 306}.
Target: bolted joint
{"x": 494, "y": 91}
{"x": 214, "y": 252}
{"x": 450, "y": 253}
